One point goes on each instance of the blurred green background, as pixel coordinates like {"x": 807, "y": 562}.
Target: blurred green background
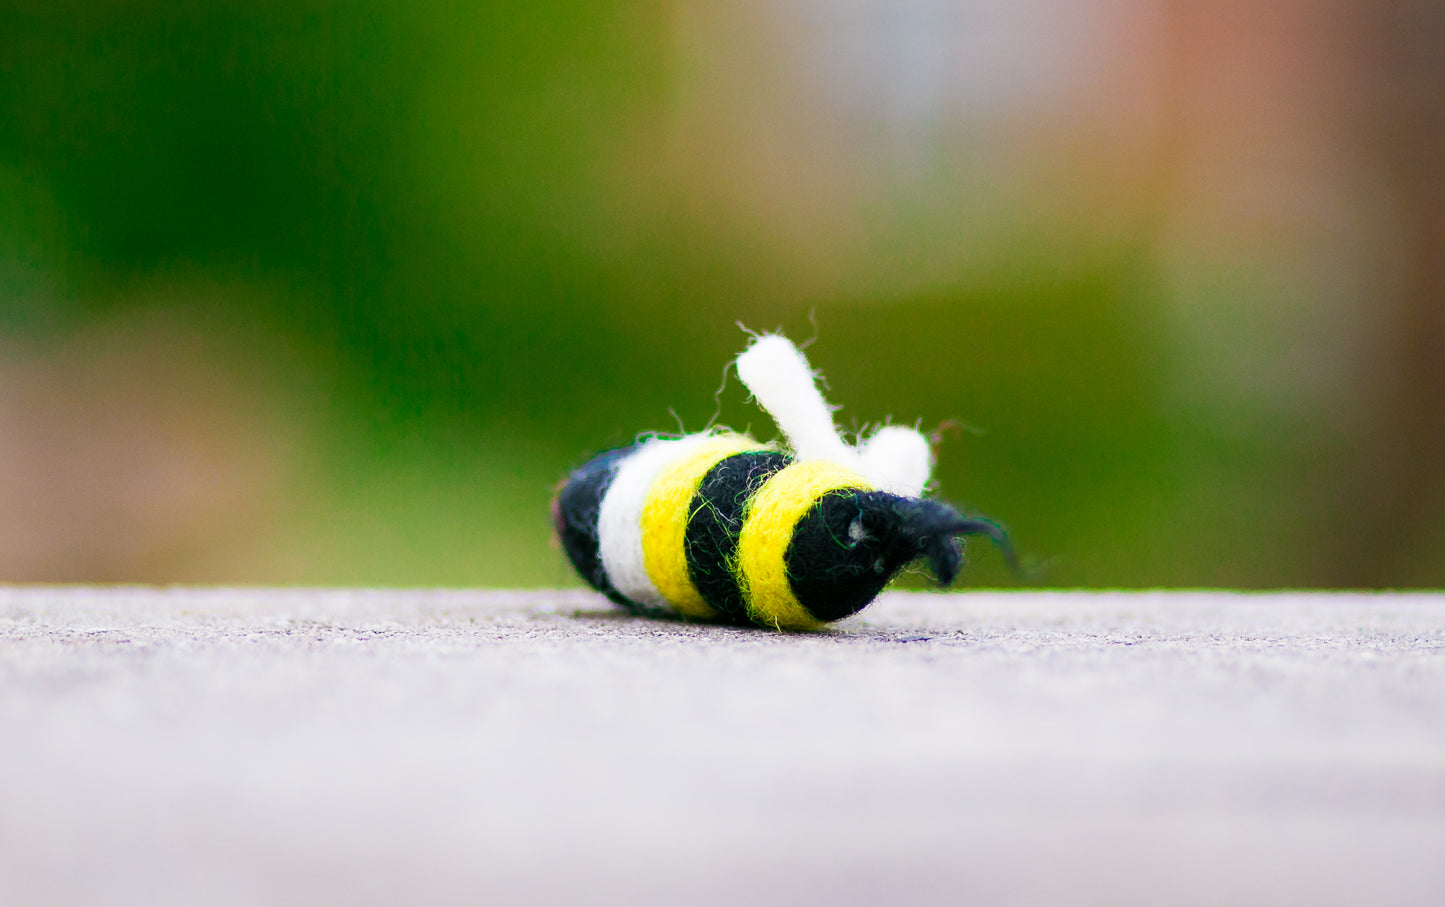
{"x": 311, "y": 292}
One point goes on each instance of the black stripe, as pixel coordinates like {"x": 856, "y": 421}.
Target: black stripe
{"x": 574, "y": 515}
{"x": 716, "y": 521}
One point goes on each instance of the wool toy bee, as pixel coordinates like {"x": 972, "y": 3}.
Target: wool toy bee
{"x": 717, "y": 526}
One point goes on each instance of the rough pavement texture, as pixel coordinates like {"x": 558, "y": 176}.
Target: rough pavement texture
{"x": 183, "y": 746}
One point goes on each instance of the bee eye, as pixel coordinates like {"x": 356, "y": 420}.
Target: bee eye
{"x": 856, "y": 532}
{"x": 879, "y": 566}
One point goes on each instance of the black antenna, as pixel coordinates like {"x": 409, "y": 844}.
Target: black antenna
{"x": 997, "y": 534}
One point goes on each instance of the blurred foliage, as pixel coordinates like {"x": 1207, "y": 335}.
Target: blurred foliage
{"x": 444, "y": 226}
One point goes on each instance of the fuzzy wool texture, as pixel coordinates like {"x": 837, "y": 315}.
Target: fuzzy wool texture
{"x": 767, "y": 534}
{"x": 897, "y": 459}
{"x": 641, "y": 534}
{"x": 575, "y": 513}
{"x": 178, "y": 746}
{"x": 664, "y": 522}
{"x": 776, "y": 373}
{"x": 778, "y": 376}
{"x": 716, "y": 523}
{"x": 619, "y": 522}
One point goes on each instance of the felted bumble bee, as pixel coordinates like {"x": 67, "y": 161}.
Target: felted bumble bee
{"x": 717, "y": 526}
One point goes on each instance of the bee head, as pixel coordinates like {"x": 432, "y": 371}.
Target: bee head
{"x": 852, "y": 544}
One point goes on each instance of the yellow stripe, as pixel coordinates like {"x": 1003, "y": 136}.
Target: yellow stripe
{"x": 768, "y": 529}
{"x": 664, "y": 522}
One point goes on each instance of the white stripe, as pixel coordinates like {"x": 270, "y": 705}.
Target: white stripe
{"x": 619, "y": 520}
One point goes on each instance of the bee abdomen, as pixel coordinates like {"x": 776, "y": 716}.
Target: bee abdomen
{"x": 623, "y": 519}
{"x": 710, "y": 526}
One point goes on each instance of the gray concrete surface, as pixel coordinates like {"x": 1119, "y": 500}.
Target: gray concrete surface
{"x": 291, "y": 747}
